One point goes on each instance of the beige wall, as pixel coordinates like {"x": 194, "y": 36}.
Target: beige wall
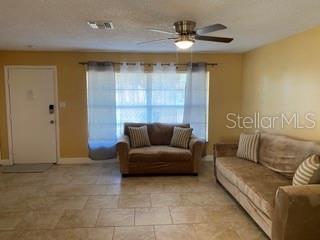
{"x": 225, "y": 91}
{"x": 284, "y": 77}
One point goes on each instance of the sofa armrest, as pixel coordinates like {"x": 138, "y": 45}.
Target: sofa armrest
{"x": 123, "y": 147}
{"x": 196, "y": 147}
{"x": 225, "y": 150}
{"x": 297, "y": 213}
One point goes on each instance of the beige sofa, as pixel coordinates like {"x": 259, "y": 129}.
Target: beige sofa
{"x": 265, "y": 189}
{"x": 160, "y": 158}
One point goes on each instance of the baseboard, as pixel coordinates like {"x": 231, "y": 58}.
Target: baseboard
{"x": 84, "y": 161}
{"x": 5, "y": 162}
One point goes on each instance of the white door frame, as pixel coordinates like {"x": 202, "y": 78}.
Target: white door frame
{"x": 8, "y": 106}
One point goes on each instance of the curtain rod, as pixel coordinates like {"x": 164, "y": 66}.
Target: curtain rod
{"x": 145, "y": 64}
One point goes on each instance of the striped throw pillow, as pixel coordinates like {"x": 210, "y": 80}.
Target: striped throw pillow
{"x": 139, "y": 136}
{"x": 308, "y": 171}
{"x": 181, "y": 137}
{"x": 248, "y": 146}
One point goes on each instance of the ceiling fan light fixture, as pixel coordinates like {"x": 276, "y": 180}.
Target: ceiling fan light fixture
{"x": 184, "y": 42}
{"x": 186, "y": 34}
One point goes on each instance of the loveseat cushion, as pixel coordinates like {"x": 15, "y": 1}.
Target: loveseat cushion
{"x": 139, "y": 137}
{"x": 257, "y": 182}
{"x": 181, "y": 137}
{"x": 159, "y": 153}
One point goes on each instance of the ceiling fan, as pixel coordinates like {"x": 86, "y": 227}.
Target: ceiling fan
{"x": 185, "y": 34}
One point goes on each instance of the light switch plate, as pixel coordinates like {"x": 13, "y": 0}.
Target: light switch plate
{"x": 63, "y": 104}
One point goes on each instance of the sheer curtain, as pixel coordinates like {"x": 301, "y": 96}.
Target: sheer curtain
{"x": 196, "y": 99}
{"x": 156, "y": 96}
{"x": 131, "y": 95}
{"x": 101, "y": 111}
{"x": 167, "y": 94}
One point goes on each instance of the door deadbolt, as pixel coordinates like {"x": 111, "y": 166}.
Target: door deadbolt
{"x": 52, "y": 121}
{"x": 51, "y": 108}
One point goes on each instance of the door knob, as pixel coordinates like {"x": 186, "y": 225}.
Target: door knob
{"x": 52, "y": 121}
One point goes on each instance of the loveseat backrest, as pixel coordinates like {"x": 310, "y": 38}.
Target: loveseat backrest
{"x": 284, "y": 154}
{"x": 159, "y": 133}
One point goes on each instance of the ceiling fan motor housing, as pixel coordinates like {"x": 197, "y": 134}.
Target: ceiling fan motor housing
{"x": 185, "y": 27}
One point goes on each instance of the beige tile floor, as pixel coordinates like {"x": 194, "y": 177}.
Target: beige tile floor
{"x": 93, "y": 202}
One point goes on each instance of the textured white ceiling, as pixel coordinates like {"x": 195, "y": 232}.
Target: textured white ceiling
{"x": 61, "y": 24}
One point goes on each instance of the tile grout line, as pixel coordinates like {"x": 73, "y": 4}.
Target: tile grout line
{"x": 150, "y": 200}
{"x": 63, "y": 212}
{"x": 98, "y": 216}
{"x": 118, "y": 201}
{"x": 84, "y": 191}
{"x": 134, "y": 216}
{"x": 169, "y": 208}
{"x": 194, "y": 230}
{"x": 154, "y": 232}
{"x": 113, "y": 232}
{"x": 85, "y": 204}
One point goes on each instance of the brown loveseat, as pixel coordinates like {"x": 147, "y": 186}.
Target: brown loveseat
{"x": 265, "y": 190}
{"x": 160, "y": 158}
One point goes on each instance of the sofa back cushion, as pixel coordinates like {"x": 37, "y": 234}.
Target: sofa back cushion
{"x": 159, "y": 133}
{"x": 248, "y": 146}
{"x": 283, "y": 154}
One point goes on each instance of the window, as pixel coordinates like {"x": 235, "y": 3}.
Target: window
{"x": 155, "y": 97}
{"x": 133, "y": 95}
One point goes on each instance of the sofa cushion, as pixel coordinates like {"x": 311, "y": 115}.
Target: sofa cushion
{"x": 257, "y": 182}
{"x": 283, "y": 154}
{"x": 159, "y": 133}
{"x": 159, "y": 153}
{"x": 248, "y": 146}
{"x": 308, "y": 172}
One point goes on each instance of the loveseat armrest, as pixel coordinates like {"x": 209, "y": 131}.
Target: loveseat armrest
{"x": 196, "y": 143}
{"x": 124, "y": 141}
{"x": 123, "y": 147}
{"x": 196, "y": 146}
{"x": 297, "y": 213}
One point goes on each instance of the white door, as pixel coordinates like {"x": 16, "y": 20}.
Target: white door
{"x": 32, "y": 113}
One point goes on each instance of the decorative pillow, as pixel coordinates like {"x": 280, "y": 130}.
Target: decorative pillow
{"x": 181, "y": 137}
{"x": 139, "y": 136}
{"x": 308, "y": 171}
{"x": 248, "y": 146}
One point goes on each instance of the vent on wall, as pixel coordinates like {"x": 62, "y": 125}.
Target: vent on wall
{"x": 100, "y": 25}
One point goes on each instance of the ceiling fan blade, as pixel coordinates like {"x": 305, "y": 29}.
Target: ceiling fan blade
{"x": 161, "y": 31}
{"x": 156, "y": 40}
{"x": 211, "y": 28}
{"x": 213, "y": 39}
